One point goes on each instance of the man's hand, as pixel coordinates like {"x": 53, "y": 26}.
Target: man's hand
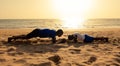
{"x": 54, "y": 40}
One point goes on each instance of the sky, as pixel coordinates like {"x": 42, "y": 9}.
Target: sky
{"x": 53, "y": 9}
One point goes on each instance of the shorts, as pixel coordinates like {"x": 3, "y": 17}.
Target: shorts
{"x": 88, "y": 39}
{"x": 34, "y": 33}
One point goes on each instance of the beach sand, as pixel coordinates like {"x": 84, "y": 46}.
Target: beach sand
{"x": 40, "y": 52}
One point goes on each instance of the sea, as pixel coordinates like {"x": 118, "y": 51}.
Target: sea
{"x": 56, "y": 23}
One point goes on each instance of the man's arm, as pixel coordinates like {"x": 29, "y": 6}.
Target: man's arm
{"x": 54, "y": 39}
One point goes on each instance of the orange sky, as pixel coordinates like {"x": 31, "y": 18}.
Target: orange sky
{"x": 42, "y": 9}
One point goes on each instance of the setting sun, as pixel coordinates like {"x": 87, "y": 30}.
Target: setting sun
{"x": 72, "y": 12}
{"x": 72, "y": 22}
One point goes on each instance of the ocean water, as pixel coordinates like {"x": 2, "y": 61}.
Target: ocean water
{"x": 55, "y": 24}
{"x": 102, "y": 23}
{"x": 29, "y": 23}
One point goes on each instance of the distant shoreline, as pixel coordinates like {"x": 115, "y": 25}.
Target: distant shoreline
{"x": 56, "y": 23}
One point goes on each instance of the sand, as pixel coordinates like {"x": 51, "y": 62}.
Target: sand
{"x": 41, "y": 52}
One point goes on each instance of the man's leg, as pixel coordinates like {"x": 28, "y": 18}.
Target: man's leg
{"x": 16, "y": 37}
{"x": 34, "y": 33}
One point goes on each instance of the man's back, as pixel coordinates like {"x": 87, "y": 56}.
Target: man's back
{"x": 47, "y": 33}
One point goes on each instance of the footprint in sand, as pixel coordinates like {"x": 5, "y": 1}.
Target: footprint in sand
{"x": 111, "y": 63}
{"x": 11, "y": 49}
{"x": 14, "y": 53}
{"x": 77, "y": 64}
{"x": 114, "y": 64}
{"x": 19, "y": 53}
{"x": 20, "y": 61}
{"x": 65, "y": 64}
{"x": 91, "y": 60}
{"x": 75, "y": 51}
{"x": 117, "y": 54}
{"x": 117, "y": 60}
{"x": 2, "y": 60}
{"x": 2, "y": 52}
{"x": 42, "y": 64}
{"x": 115, "y": 40}
{"x": 100, "y": 64}
{"x": 56, "y": 59}
{"x": 118, "y": 47}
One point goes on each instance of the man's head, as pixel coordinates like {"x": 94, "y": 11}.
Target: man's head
{"x": 59, "y": 32}
{"x": 70, "y": 37}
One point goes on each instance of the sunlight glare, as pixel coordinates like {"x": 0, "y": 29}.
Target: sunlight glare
{"x": 71, "y": 11}
{"x": 73, "y": 22}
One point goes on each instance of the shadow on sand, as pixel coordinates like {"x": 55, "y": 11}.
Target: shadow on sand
{"x": 42, "y": 46}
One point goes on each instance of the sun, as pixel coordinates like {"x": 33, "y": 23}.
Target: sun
{"x": 72, "y": 12}
{"x": 72, "y": 22}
